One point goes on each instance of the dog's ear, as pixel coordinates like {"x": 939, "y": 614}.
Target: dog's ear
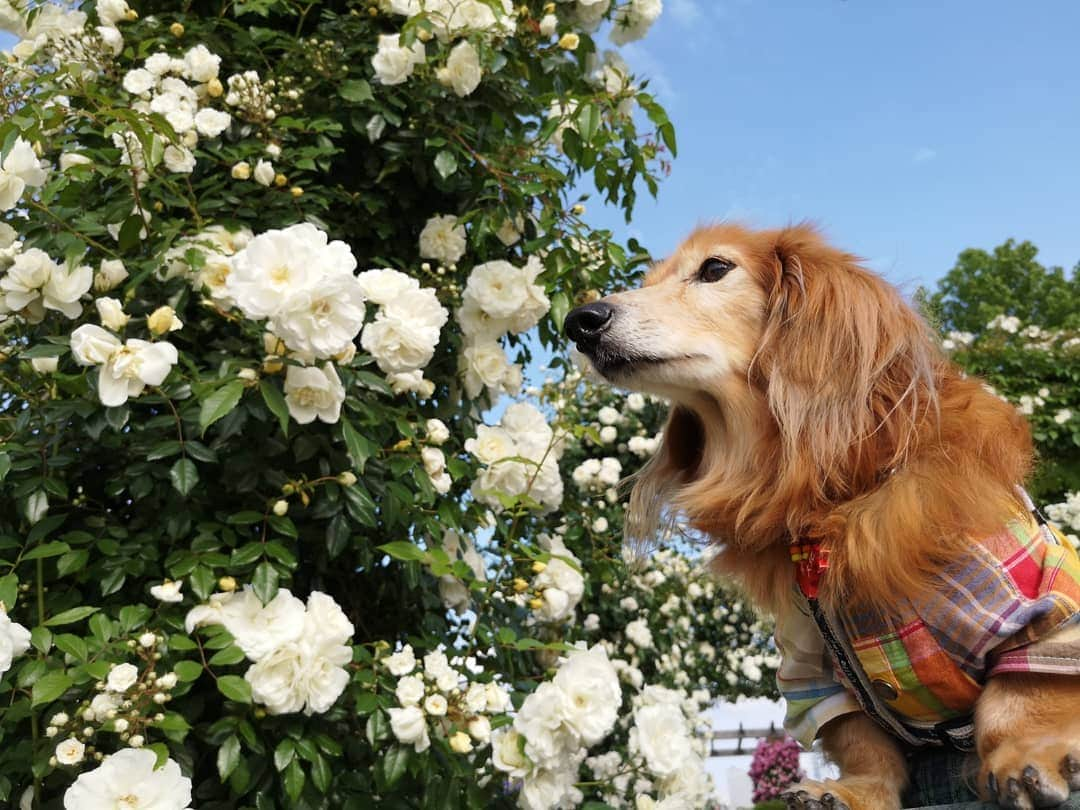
{"x": 674, "y": 464}
{"x": 847, "y": 367}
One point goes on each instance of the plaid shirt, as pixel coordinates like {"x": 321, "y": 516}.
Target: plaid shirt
{"x": 1013, "y": 605}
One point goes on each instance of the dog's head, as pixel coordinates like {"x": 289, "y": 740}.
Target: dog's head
{"x": 788, "y": 365}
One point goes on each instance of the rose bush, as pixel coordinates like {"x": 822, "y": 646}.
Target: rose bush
{"x": 265, "y": 268}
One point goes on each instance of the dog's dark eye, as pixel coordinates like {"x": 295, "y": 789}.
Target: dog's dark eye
{"x": 714, "y": 269}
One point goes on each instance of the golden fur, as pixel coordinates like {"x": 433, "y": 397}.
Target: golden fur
{"x": 845, "y": 424}
{"x": 810, "y": 401}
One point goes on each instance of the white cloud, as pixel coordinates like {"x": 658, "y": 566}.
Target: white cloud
{"x": 924, "y": 154}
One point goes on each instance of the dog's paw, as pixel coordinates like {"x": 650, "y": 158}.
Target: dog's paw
{"x": 814, "y": 796}
{"x": 846, "y": 793}
{"x": 1025, "y": 776}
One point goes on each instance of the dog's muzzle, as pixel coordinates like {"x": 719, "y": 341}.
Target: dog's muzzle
{"x": 586, "y": 324}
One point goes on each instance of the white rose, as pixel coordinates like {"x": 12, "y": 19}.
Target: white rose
{"x": 211, "y": 123}
{"x": 111, "y": 312}
{"x": 111, "y": 272}
{"x": 662, "y": 738}
{"x": 70, "y": 752}
{"x": 443, "y": 239}
{"x": 485, "y": 364}
{"x": 410, "y": 690}
{"x": 507, "y": 752}
{"x": 434, "y": 460}
{"x": 635, "y": 402}
{"x": 132, "y": 367}
{"x": 14, "y": 640}
{"x": 264, "y": 173}
{"x": 19, "y": 170}
{"x": 435, "y": 705}
{"x": 548, "y": 25}
{"x": 179, "y": 159}
{"x": 312, "y": 393}
{"x": 122, "y": 677}
{"x": 130, "y": 773}
{"x": 491, "y": 444}
{"x": 45, "y": 365}
{"x": 168, "y": 591}
{"x": 64, "y": 289}
{"x": 550, "y": 787}
{"x": 139, "y": 81}
{"x": 410, "y": 727}
{"x": 384, "y": 286}
{"x": 437, "y": 431}
{"x": 303, "y": 674}
{"x": 402, "y": 662}
{"x": 393, "y": 63}
{"x": 462, "y": 72}
{"x": 480, "y": 729}
{"x": 200, "y": 65}
{"x": 407, "y": 382}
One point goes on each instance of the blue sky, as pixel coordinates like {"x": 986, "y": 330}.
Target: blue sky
{"x": 908, "y": 130}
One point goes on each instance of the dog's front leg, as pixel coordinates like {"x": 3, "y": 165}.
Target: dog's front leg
{"x": 873, "y": 772}
{"x": 1027, "y": 729}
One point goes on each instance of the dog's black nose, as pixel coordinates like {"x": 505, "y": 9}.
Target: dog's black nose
{"x": 588, "y": 322}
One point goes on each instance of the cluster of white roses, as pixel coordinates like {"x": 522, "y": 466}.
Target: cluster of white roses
{"x": 556, "y": 723}
{"x": 65, "y": 31}
{"x": 405, "y": 332}
{"x": 521, "y": 455}
{"x": 693, "y": 600}
{"x": 449, "y": 19}
{"x": 633, "y": 20}
{"x": 127, "y": 704}
{"x": 499, "y": 299}
{"x": 1067, "y": 516}
{"x": 211, "y": 250}
{"x": 597, "y": 474}
{"x": 124, "y": 369}
{"x": 558, "y": 584}
{"x": 665, "y": 744}
{"x": 31, "y": 283}
{"x": 440, "y": 699}
{"x": 298, "y": 652}
{"x": 162, "y": 86}
{"x": 433, "y": 458}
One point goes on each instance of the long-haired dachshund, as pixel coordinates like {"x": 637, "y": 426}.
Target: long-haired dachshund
{"x": 868, "y": 495}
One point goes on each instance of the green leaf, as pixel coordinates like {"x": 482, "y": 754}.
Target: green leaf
{"x": 560, "y": 306}
{"x": 219, "y": 403}
{"x": 230, "y": 655}
{"x": 359, "y": 448}
{"x": 588, "y": 120}
{"x": 71, "y": 616}
{"x": 42, "y": 639}
{"x": 9, "y": 590}
{"x": 355, "y": 90}
{"x": 187, "y": 670}
{"x": 52, "y": 549}
{"x": 275, "y": 402}
{"x": 228, "y": 757}
{"x": 294, "y": 780}
{"x": 234, "y": 688}
{"x": 403, "y": 550}
{"x": 5, "y": 465}
{"x": 50, "y": 686}
{"x": 265, "y": 581}
{"x": 184, "y": 475}
{"x": 377, "y": 728}
{"x": 337, "y": 535}
{"x": 321, "y": 776}
{"x": 72, "y": 561}
{"x": 445, "y": 163}
{"x": 72, "y": 645}
{"x": 394, "y": 763}
{"x": 284, "y": 754}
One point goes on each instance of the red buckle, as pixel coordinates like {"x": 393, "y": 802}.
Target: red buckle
{"x": 811, "y": 561}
